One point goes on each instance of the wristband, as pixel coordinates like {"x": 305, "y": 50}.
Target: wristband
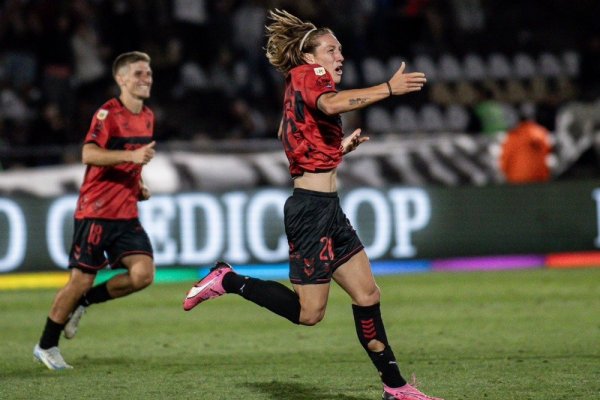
{"x": 389, "y": 87}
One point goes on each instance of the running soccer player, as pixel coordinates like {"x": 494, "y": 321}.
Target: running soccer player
{"x": 118, "y": 144}
{"x": 322, "y": 243}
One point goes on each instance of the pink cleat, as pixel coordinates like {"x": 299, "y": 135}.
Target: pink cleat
{"x": 406, "y": 392}
{"x": 208, "y": 287}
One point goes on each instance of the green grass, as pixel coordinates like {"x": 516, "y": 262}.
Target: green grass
{"x": 482, "y": 336}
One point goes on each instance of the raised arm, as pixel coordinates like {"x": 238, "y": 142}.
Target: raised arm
{"x": 92, "y": 154}
{"x": 354, "y": 99}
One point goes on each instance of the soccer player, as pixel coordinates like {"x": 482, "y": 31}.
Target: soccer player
{"x": 322, "y": 243}
{"x": 118, "y": 144}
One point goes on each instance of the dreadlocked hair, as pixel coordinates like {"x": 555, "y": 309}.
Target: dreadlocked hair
{"x": 285, "y": 36}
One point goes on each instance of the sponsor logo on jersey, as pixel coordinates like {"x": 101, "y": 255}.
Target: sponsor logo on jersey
{"x": 319, "y": 71}
{"x": 324, "y": 82}
{"x": 102, "y": 114}
{"x": 97, "y": 130}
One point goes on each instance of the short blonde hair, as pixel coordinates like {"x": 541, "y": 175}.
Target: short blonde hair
{"x": 125, "y": 59}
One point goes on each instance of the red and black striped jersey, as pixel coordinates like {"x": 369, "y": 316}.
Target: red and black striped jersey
{"x": 112, "y": 192}
{"x": 311, "y": 139}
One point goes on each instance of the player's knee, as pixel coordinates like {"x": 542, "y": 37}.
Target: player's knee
{"x": 311, "y": 318}
{"x": 142, "y": 280}
{"x": 80, "y": 283}
{"x": 146, "y": 280}
{"x": 369, "y": 297}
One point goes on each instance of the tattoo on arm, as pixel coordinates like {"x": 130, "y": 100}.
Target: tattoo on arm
{"x": 358, "y": 101}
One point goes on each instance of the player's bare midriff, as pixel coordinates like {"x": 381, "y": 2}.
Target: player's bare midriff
{"x": 317, "y": 181}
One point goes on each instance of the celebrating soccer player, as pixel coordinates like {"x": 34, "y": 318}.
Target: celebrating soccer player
{"x": 118, "y": 144}
{"x": 322, "y": 243}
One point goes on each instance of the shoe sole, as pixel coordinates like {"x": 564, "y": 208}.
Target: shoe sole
{"x": 69, "y": 333}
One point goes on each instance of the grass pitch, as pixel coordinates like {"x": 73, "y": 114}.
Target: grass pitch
{"x": 484, "y": 336}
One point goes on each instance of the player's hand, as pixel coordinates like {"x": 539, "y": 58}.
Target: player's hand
{"x": 144, "y": 192}
{"x": 351, "y": 142}
{"x": 280, "y": 130}
{"x": 144, "y": 154}
{"x": 402, "y": 83}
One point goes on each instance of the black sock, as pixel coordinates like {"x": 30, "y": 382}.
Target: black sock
{"x": 97, "y": 294}
{"x": 369, "y": 326}
{"x": 51, "y": 334}
{"x": 272, "y": 295}
{"x": 232, "y": 282}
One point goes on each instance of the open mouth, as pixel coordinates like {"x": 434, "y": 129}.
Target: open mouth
{"x": 339, "y": 70}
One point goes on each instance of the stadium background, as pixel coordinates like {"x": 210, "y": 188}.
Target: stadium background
{"x": 425, "y": 193}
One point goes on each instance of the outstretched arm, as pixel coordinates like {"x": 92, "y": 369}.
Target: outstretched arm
{"x": 354, "y": 99}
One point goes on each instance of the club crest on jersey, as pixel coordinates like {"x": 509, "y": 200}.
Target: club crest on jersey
{"x": 319, "y": 71}
{"x": 102, "y": 114}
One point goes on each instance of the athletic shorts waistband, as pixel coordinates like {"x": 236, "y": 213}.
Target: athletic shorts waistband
{"x": 306, "y": 192}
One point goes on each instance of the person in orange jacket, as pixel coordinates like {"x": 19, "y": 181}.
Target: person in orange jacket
{"x": 524, "y": 153}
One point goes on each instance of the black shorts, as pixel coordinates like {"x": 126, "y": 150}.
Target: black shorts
{"x": 99, "y": 242}
{"x": 319, "y": 235}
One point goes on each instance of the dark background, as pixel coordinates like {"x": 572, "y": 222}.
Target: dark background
{"x": 213, "y": 82}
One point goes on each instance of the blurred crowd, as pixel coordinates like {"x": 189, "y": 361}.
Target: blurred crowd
{"x": 212, "y": 80}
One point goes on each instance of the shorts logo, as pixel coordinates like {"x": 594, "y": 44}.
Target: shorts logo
{"x": 309, "y": 267}
{"x": 294, "y": 255}
{"x": 77, "y": 252}
{"x": 102, "y": 114}
{"x": 319, "y": 71}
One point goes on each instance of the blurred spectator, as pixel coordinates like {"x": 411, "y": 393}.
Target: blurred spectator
{"x": 222, "y": 76}
{"x": 56, "y": 57}
{"x": 90, "y": 67}
{"x": 19, "y": 31}
{"x": 248, "y": 38}
{"x": 469, "y": 22}
{"x": 247, "y": 123}
{"x": 191, "y": 22}
{"x": 208, "y": 55}
{"x": 51, "y": 130}
{"x": 120, "y": 24}
{"x": 16, "y": 115}
{"x": 50, "y": 126}
{"x": 490, "y": 113}
{"x": 524, "y": 156}
{"x": 352, "y": 25}
{"x": 12, "y": 106}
